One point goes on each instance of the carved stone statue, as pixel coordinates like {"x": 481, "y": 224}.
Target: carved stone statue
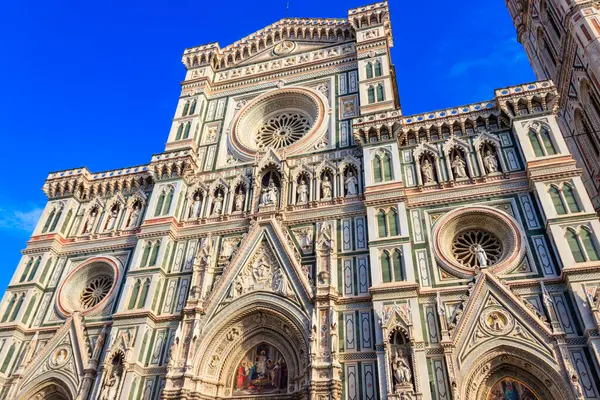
{"x": 401, "y": 370}
{"x": 91, "y": 221}
{"x": 305, "y": 238}
{"x": 326, "y": 188}
{"x": 351, "y": 185}
{"x": 195, "y": 207}
{"x": 111, "y": 386}
{"x": 302, "y": 193}
{"x": 490, "y": 162}
{"x": 135, "y": 215}
{"x": 227, "y": 249}
{"x": 280, "y": 283}
{"x": 458, "y": 167}
{"x": 427, "y": 171}
{"x": 269, "y": 194}
{"x": 112, "y": 219}
{"x": 239, "y": 201}
{"x": 218, "y": 205}
{"x": 481, "y": 255}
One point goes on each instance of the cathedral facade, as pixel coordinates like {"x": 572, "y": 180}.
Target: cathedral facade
{"x": 300, "y": 238}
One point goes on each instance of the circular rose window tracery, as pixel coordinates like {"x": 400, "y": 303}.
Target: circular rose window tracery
{"x": 88, "y": 288}
{"x": 466, "y": 243}
{"x": 294, "y": 118}
{"x": 95, "y": 291}
{"x": 282, "y": 130}
{"x": 466, "y": 237}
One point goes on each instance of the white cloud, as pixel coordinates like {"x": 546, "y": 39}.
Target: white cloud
{"x": 20, "y": 218}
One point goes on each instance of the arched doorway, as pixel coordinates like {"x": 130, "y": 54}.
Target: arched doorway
{"x": 48, "y": 390}
{"x": 511, "y": 388}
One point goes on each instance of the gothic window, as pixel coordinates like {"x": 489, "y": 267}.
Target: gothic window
{"x": 9, "y": 307}
{"x": 570, "y": 198}
{"x": 26, "y": 271}
{"x": 397, "y": 263}
{"x": 386, "y": 267}
{"x": 29, "y": 309}
{"x": 381, "y": 224}
{"x": 392, "y": 218}
{"x": 541, "y": 142}
{"x": 382, "y": 167}
{"x": 371, "y": 94}
{"x": 16, "y": 309}
{"x": 48, "y": 221}
{"x": 369, "y": 69}
{"x": 179, "y": 132}
{"x": 154, "y": 254}
{"x": 186, "y": 108}
{"x": 144, "y": 294}
{"x": 391, "y": 266}
{"x": 387, "y": 167}
{"x": 186, "y": 132}
{"x": 139, "y": 294}
{"x": 582, "y": 245}
{"x": 380, "y": 95}
{"x": 377, "y": 68}
{"x": 547, "y": 140}
{"x": 146, "y": 254}
{"x": 163, "y": 205}
{"x": 536, "y": 144}
{"x": 134, "y": 294}
{"x": 34, "y": 270}
{"x": 557, "y": 200}
{"x": 7, "y": 359}
{"x": 46, "y": 270}
{"x": 377, "y": 172}
{"x": 193, "y": 108}
{"x": 67, "y": 220}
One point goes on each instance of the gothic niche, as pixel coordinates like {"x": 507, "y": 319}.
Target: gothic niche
{"x": 90, "y": 221}
{"x": 239, "y": 199}
{"x": 196, "y": 204}
{"x": 326, "y": 186}
{"x": 458, "y": 164}
{"x": 136, "y": 213}
{"x": 113, "y": 377}
{"x": 303, "y": 191}
{"x": 217, "y": 205}
{"x": 112, "y": 217}
{"x": 350, "y": 182}
{"x": 401, "y": 364}
{"x": 262, "y": 371}
{"x": 427, "y": 165}
{"x": 270, "y": 192}
{"x": 490, "y": 159}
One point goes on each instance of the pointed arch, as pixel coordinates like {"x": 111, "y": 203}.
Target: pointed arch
{"x": 557, "y": 200}
{"x": 386, "y": 267}
{"x": 134, "y": 295}
{"x": 369, "y": 70}
{"x": 536, "y": 144}
{"x": 392, "y": 219}
{"x": 570, "y": 198}
{"x": 574, "y": 245}
{"x": 382, "y": 224}
{"x": 588, "y": 242}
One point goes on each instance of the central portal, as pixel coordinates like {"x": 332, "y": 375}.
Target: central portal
{"x": 263, "y": 370}
{"x": 511, "y": 389}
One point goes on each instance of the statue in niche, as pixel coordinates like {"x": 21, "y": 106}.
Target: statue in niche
{"x": 227, "y": 248}
{"x": 111, "y": 386}
{"x": 490, "y": 162}
{"x": 112, "y": 218}
{"x": 269, "y": 194}
{"x": 351, "y": 185}
{"x": 305, "y": 236}
{"x": 240, "y": 197}
{"x": 195, "y": 207}
{"x": 326, "y": 188}
{"x": 427, "y": 171}
{"x": 459, "y": 167}
{"x": 135, "y": 215}
{"x": 280, "y": 283}
{"x": 481, "y": 255}
{"x": 218, "y": 204}
{"x": 302, "y": 192}
{"x": 91, "y": 220}
{"x": 401, "y": 370}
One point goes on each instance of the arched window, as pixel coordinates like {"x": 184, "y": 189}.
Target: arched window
{"x": 56, "y": 219}
{"x": 393, "y": 222}
{"x": 146, "y": 254}
{"x": 186, "y": 108}
{"x": 17, "y": 308}
{"x": 29, "y": 309}
{"x": 387, "y": 168}
{"x": 144, "y": 294}
{"x": 377, "y": 173}
{"x": 48, "y": 221}
{"x": 381, "y": 224}
{"x": 8, "y": 358}
{"x": 559, "y": 206}
{"x": 159, "y": 204}
{"x": 186, "y": 132}
{"x": 588, "y": 244}
{"x": 575, "y": 247}
{"x": 46, "y": 270}
{"x": 67, "y": 220}
{"x": 369, "y": 68}
{"x": 397, "y": 262}
{"x": 26, "y": 270}
{"x": 371, "y": 94}
{"x": 536, "y": 144}
{"x": 386, "y": 268}
{"x": 179, "y": 132}
{"x": 36, "y": 265}
{"x": 134, "y": 295}
{"x": 548, "y": 145}
{"x": 193, "y": 108}
{"x": 143, "y": 348}
{"x": 154, "y": 255}
{"x": 9, "y": 307}
{"x": 571, "y": 199}
{"x": 377, "y": 68}
{"x": 380, "y": 95}
{"x": 168, "y": 202}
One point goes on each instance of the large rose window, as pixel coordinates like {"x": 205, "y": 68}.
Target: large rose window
{"x": 478, "y": 237}
{"x": 88, "y": 288}
{"x": 295, "y": 119}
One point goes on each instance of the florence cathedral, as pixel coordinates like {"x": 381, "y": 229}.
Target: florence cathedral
{"x": 301, "y": 238}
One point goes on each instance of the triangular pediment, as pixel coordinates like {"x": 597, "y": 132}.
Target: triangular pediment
{"x": 64, "y": 354}
{"x": 265, "y": 262}
{"x": 493, "y": 316}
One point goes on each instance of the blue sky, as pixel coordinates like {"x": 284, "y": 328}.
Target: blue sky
{"x": 96, "y": 83}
